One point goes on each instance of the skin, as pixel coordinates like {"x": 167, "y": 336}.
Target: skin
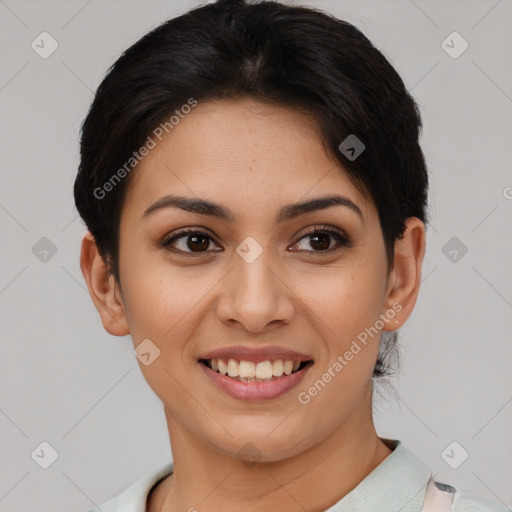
{"x": 255, "y": 158}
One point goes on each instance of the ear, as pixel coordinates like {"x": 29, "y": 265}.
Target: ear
{"x": 103, "y": 288}
{"x": 405, "y": 277}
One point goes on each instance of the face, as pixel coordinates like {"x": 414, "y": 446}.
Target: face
{"x": 264, "y": 283}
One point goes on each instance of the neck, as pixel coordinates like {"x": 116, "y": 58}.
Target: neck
{"x": 207, "y": 479}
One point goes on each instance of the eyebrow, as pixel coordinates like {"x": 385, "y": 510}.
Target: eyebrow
{"x": 288, "y": 212}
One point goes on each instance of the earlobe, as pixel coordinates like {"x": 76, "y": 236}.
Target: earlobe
{"x": 405, "y": 277}
{"x": 102, "y": 288}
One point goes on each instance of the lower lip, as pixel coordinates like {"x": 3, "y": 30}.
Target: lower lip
{"x": 254, "y": 391}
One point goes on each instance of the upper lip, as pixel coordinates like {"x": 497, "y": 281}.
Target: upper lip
{"x": 256, "y": 354}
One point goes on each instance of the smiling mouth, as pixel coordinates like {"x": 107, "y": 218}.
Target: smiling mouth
{"x": 249, "y": 371}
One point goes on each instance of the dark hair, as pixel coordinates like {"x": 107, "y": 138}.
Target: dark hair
{"x": 285, "y": 55}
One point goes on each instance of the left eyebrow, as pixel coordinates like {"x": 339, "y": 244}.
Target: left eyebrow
{"x": 288, "y": 212}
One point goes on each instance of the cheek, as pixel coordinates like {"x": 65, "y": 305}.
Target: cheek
{"x": 346, "y": 298}
{"x": 346, "y": 306}
{"x": 161, "y": 299}
{"x": 158, "y": 296}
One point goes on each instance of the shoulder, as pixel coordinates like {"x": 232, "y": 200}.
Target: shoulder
{"x": 438, "y": 495}
{"x": 134, "y": 498}
{"x": 463, "y": 502}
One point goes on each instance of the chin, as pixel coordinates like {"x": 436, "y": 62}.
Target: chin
{"x": 265, "y": 441}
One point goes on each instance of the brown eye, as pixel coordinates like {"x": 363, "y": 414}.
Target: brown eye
{"x": 188, "y": 241}
{"x": 321, "y": 238}
{"x": 320, "y": 241}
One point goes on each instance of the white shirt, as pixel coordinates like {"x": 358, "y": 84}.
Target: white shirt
{"x": 397, "y": 484}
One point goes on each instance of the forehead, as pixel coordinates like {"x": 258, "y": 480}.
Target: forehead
{"x": 247, "y": 153}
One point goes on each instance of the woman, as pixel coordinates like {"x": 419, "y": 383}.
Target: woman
{"x": 256, "y": 201}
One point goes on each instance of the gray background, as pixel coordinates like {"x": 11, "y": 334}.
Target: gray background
{"x": 65, "y": 381}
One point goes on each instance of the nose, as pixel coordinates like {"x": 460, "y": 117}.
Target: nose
{"x": 255, "y": 296}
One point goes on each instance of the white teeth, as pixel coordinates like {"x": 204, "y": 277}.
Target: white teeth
{"x": 223, "y": 369}
{"x": 264, "y": 370}
{"x": 233, "y": 368}
{"x": 249, "y": 371}
{"x": 277, "y": 368}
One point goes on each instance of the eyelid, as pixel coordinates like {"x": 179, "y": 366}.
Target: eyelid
{"x": 315, "y": 228}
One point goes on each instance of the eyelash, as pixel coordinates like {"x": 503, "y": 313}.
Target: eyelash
{"x": 339, "y": 235}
